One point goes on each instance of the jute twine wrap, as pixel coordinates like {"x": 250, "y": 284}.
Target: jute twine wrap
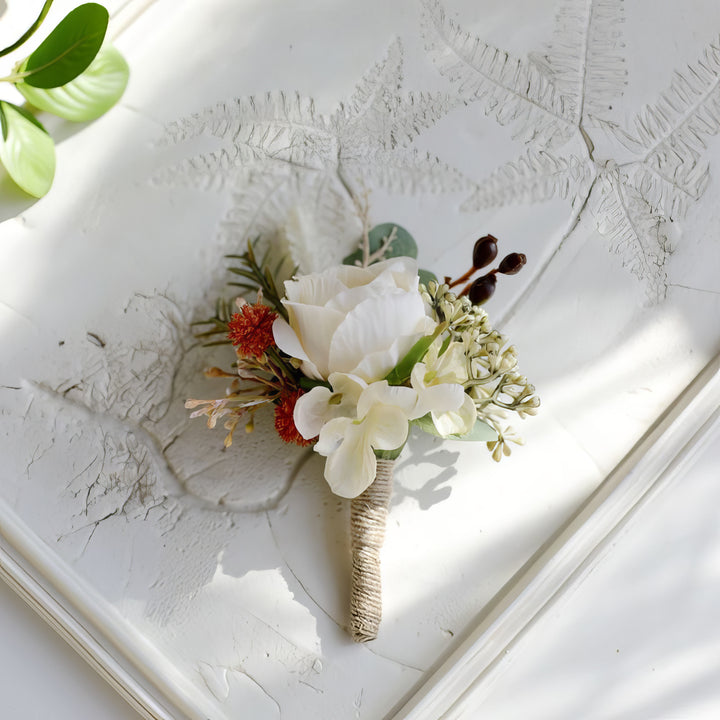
{"x": 368, "y": 514}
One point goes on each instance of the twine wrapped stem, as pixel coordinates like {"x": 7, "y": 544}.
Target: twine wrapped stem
{"x": 368, "y": 515}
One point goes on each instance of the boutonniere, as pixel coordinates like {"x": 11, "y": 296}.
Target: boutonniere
{"x": 351, "y": 358}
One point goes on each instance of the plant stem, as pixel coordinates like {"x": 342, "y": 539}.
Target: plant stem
{"x": 28, "y": 33}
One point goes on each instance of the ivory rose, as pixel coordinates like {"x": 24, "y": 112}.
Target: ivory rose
{"x": 353, "y": 320}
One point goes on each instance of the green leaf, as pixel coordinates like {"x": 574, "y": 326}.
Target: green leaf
{"x": 26, "y": 150}
{"x": 89, "y": 95}
{"x": 402, "y": 246}
{"x": 69, "y": 49}
{"x": 481, "y": 432}
{"x": 389, "y": 454}
{"x": 401, "y": 372}
{"x": 426, "y": 276}
{"x": 307, "y": 383}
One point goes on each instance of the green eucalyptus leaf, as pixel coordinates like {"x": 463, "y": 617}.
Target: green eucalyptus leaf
{"x": 402, "y": 246}
{"x": 26, "y": 150}
{"x": 69, "y": 49}
{"x": 426, "y": 276}
{"x": 401, "y": 372}
{"x": 90, "y": 94}
{"x": 481, "y": 431}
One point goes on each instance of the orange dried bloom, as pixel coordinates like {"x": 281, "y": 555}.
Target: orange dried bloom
{"x": 250, "y": 330}
{"x": 284, "y": 423}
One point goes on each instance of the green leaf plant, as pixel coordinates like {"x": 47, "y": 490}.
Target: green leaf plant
{"x": 385, "y": 241}
{"x": 72, "y": 74}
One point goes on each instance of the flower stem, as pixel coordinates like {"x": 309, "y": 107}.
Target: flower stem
{"x": 25, "y": 37}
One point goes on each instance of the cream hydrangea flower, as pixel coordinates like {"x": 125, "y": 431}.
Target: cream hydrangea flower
{"x": 349, "y": 444}
{"x": 438, "y": 380}
{"x": 323, "y": 404}
{"x": 354, "y": 418}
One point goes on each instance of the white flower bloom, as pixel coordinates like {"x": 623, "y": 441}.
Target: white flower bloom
{"x": 352, "y": 320}
{"x": 322, "y": 404}
{"x": 451, "y": 366}
{"x": 381, "y": 423}
{"x": 438, "y": 382}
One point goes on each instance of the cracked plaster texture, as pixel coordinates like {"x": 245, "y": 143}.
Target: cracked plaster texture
{"x": 232, "y": 566}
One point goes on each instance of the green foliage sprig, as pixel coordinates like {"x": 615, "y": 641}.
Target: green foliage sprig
{"x": 258, "y": 277}
{"x": 72, "y": 75}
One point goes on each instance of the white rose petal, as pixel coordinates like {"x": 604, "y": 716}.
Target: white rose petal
{"x": 384, "y": 327}
{"x": 354, "y": 320}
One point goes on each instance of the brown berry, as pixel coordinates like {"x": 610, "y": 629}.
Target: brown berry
{"x": 485, "y": 251}
{"x": 482, "y": 289}
{"x": 512, "y": 263}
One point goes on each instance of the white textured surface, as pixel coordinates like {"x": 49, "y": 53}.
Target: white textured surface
{"x": 638, "y": 638}
{"x": 231, "y": 568}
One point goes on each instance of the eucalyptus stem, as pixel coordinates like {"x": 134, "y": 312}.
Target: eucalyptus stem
{"x": 27, "y": 34}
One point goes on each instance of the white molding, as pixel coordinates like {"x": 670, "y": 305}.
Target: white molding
{"x": 665, "y": 449}
{"x": 17, "y": 573}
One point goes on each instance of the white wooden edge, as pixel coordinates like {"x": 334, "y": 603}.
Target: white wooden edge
{"x": 48, "y": 604}
{"x": 665, "y": 449}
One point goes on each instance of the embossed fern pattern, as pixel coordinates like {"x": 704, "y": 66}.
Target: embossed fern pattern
{"x": 555, "y": 101}
{"x": 277, "y": 152}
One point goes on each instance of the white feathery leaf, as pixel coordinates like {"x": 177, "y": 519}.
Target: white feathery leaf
{"x": 514, "y": 90}
{"x": 378, "y": 109}
{"x": 376, "y": 86}
{"x": 669, "y": 189}
{"x": 584, "y": 60}
{"x": 264, "y": 202}
{"x": 686, "y": 114}
{"x": 209, "y": 171}
{"x": 266, "y": 132}
{"x": 332, "y": 225}
{"x": 409, "y": 172}
{"x": 635, "y": 231}
{"x": 253, "y": 119}
{"x": 273, "y": 127}
{"x": 397, "y": 125}
{"x": 535, "y": 176}
{"x": 259, "y": 202}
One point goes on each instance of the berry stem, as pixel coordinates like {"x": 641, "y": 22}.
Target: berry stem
{"x": 462, "y": 278}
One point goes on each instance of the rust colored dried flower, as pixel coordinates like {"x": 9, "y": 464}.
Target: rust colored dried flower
{"x": 284, "y": 423}
{"x": 250, "y": 329}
